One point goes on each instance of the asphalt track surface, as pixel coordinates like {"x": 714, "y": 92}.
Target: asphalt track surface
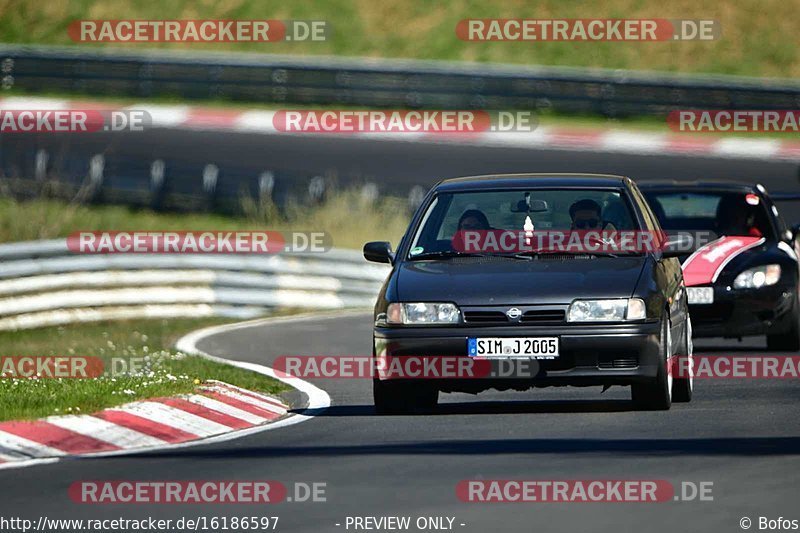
{"x": 395, "y": 166}
{"x": 742, "y": 435}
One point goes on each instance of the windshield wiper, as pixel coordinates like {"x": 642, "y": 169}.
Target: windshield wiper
{"x": 531, "y": 254}
{"x": 446, "y": 254}
{"x": 527, "y": 255}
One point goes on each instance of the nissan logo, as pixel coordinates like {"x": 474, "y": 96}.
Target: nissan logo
{"x": 513, "y": 313}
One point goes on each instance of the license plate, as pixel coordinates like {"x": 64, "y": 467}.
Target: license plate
{"x": 511, "y": 347}
{"x": 700, "y": 295}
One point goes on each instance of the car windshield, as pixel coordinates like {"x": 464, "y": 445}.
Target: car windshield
{"x": 722, "y": 213}
{"x": 515, "y": 211}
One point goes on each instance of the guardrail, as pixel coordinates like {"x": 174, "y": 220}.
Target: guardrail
{"x": 43, "y": 284}
{"x": 122, "y": 168}
{"x": 161, "y": 172}
{"x": 383, "y": 83}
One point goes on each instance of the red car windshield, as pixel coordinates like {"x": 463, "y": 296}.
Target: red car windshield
{"x": 722, "y": 213}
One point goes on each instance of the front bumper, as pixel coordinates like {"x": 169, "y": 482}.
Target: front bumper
{"x": 588, "y": 354}
{"x": 742, "y": 312}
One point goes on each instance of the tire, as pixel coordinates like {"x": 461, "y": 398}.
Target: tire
{"x": 787, "y": 340}
{"x": 397, "y": 397}
{"x": 656, "y": 395}
{"x": 682, "y": 388}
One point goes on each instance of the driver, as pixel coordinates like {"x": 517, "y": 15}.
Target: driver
{"x": 586, "y": 215}
{"x": 736, "y": 218}
{"x": 471, "y": 222}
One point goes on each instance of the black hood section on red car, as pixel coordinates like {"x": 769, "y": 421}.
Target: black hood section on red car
{"x": 504, "y": 281}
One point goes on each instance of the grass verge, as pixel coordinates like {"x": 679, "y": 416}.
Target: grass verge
{"x": 349, "y": 219}
{"x": 757, "y": 36}
{"x": 139, "y": 363}
{"x": 160, "y": 370}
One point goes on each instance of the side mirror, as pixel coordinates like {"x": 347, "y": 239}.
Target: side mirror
{"x": 678, "y": 245}
{"x": 378, "y": 252}
{"x": 795, "y": 231}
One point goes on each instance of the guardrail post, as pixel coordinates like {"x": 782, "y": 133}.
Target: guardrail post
{"x": 157, "y": 184}
{"x": 317, "y": 189}
{"x": 94, "y": 187}
{"x": 210, "y": 175}
{"x": 40, "y": 165}
{"x": 415, "y": 197}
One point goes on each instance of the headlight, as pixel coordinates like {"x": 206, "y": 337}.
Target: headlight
{"x": 758, "y": 277}
{"x": 615, "y": 310}
{"x": 422, "y": 313}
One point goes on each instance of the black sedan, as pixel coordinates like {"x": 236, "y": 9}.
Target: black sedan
{"x": 583, "y": 315}
{"x": 743, "y": 277}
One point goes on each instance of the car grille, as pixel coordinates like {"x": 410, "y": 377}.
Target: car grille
{"x": 543, "y": 315}
{"x": 533, "y": 316}
{"x": 713, "y": 313}
{"x": 618, "y": 363}
{"x": 484, "y": 317}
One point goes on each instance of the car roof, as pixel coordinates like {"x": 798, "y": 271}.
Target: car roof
{"x": 536, "y": 180}
{"x": 697, "y": 186}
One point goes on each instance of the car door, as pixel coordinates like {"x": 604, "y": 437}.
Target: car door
{"x": 669, "y": 271}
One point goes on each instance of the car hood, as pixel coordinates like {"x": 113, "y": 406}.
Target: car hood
{"x": 767, "y": 253}
{"x": 493, "y": 281}
{"x": 718, "y": 263}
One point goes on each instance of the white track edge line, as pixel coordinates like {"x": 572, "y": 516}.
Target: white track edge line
{"x": 318, "y": 399}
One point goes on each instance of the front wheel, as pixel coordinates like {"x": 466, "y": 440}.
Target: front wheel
{"x": 656, "y": 395}
{"x": 682, "y": 387}
{"x": 398, "y": 397}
